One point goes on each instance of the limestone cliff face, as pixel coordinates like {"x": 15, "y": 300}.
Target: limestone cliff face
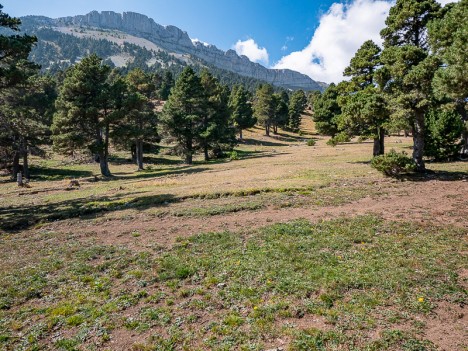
{"x": 175, "y": 40}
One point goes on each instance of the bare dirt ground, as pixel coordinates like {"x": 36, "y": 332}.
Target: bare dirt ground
{"x": 432, "y": 202}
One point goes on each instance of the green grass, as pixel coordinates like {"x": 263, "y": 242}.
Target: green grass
{"x": 225, "y": 291}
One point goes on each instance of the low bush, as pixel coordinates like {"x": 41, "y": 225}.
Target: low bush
{"x": 393, "y": 163}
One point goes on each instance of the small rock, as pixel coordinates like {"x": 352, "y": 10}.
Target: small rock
{"x": 221, "y": 285}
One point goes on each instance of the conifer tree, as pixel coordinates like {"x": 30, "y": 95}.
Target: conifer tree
{"x": 167, "y": 83}
{"x": 241, "y": 109}
{"x": 220, "y": 134}
{"x": 182, "y": 115}
{"x": 410, "y": 65}
{"x": 136, "y": 124}
{"x": 264, "y": 106}
{"x": 280, "y": 115}
{"x": 83, "y": 110}
{"x": 362, "y": 101}
{"x": 448, "y": 38}
{"x": 326, "y": 111}
{"x": 297, "y": 105}
{"x": 23, "y": 119}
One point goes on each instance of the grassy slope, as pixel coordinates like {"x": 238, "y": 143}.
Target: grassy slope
{"x": 347, "y": 284}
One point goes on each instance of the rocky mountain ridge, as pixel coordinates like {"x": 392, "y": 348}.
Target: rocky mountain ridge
{"x": 174, "y": 40}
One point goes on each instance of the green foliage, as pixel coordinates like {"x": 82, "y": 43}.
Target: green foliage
{"x": 217, "y": 133}
{"x": 297, "y": 105}
{"x": 311, "y": 142}
{"x": 393, "y": 163}
{"x": 410, "y": 66}
{"x": 444, "y": 130}
{"x": 83, "y": 111}
{"x": 280, "y": 114}
{"x": 326, "y": 111}
{"x": 135, "y": 123}
{"x": 196, "y": 116}
{"x": 241, "y": 109}
{"x": 448, "y": 37}
{"x": 26, "y": 100}
{"x": 339, "y": 138}
{"x": 264, "y": 106}
{"x": 363, "y": 66}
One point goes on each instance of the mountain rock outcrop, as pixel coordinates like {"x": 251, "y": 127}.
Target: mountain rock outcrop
{"x": 175, "y": 40}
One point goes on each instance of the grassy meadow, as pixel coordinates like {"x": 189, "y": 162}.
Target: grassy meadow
{"x": 284, "y": 246}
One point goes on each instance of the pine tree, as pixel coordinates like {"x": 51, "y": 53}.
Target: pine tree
{"x": 136, "y": 124}
{"x": 280, "y": 117}
{"x": 326, "y": 111}
{"x": 166, "y": 85}
{"x": 264, "y": 106}
{"x": 217, "y": 132}
{"x": 241, "y": 109}
{"x": 183, "y": 113}
{"x": 448, "y": 37}
{"x": 297, "y": 105}
{"x": 363, "y": 105}
{"x": 14, "y": 52}
{"x": 22, "y": 127}
{"x": 83, "y": 110}
{"x": 411, "y": 67}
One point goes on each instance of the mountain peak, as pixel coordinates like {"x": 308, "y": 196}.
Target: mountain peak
{"x": 176, "y": 41}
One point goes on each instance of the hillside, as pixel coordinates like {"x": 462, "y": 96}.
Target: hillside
{"x": 134, "y": 40}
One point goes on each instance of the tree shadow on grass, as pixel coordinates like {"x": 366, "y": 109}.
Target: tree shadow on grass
{"x": 156, "y": 173}
{"x": 429, "y": 175}
{"x": 45, "y": 173}
{"x": 23, "y": 217}
{"x": 261, "y": 143}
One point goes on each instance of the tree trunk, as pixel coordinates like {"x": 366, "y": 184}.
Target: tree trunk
{"x": 139, "y": 155}
{"x": 382, "y": 141}
{"x": 205, "y": 152}
{"x": 16, "y": 167}
{"x": 464, "y": 114}
{"x": 103, "y": 164}
{"x": 464, "y": 150}
{"x": 25, "y": 165}
{"x": 376, "y": 150}
{"x": 240, "y": 134}
{"x": 133, "y": 150}
{"x": 275, "y": 129}
{"x": 379, "y": 142}
{"x": 418, "y": 141}
{"x": 267, "y": 129}
{"x": 188, "y": 152}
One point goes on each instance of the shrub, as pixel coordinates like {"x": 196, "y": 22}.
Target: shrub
{"x": 233, "y": 156}
{"x": 339, "y": 139}
{"x": 311, "y": 142}
{"x": 393, "y": 163}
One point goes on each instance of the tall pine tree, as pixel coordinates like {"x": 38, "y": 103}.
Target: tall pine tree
{"x": 364, "y": 110}
{"x": 241, "y": 109}
{"x": 410, "y": 65}
{"x": 83, "y": 111}
{"x": 182, "y": 115}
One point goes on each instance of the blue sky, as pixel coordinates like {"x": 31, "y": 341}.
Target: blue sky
{"x": 314, "y": 37}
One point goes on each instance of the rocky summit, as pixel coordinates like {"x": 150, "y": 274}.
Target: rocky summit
{"x": 175, "y": 40}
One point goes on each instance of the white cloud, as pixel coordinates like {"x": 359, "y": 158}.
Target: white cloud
{"x": 251, "y": 49}
{"x": 342, "y": 30}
